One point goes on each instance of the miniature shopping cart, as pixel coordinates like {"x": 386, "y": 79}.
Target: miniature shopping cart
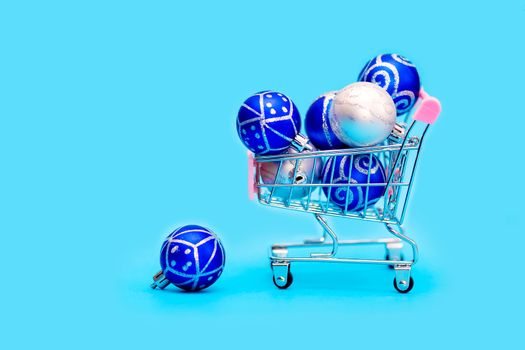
{"x": 399, "y": 156}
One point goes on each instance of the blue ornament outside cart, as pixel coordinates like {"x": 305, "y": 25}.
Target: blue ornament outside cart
{"x": 398, "y": 76}
{"x": 268, "y": 122}
{"x": 342, "y": 170}
{"x": 192, "y": 258}
{"x": 317, "y": 123}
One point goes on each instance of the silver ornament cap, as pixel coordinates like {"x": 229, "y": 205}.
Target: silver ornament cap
{"x": 298, "y": 171}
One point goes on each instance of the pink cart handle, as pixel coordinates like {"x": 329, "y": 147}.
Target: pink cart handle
{"x": 428, "y": 108}
{"x": 251, "y": 176}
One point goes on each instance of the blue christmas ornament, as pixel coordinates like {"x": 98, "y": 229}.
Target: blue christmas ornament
{"x": 341, "y": 169}
{"x": 267, "y": 122}
{"x": 397, "y": 75}
{"x": 317, "y": 123}
{"x": 191, "y": 257}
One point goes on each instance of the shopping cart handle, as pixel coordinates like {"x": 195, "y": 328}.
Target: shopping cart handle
{"x": 251, "y": 182}
{"x": 428, "y": 109}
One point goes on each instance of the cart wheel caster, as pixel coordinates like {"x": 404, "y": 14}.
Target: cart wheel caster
{"x": 401, "y": 287}
{"x": 289, "y": 281}
{"x": 282, "y": 277}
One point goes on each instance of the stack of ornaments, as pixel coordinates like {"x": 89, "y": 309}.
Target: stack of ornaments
{"x": 362, "y": 114}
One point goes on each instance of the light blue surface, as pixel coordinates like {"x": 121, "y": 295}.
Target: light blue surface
{"x": 118, "y": 125}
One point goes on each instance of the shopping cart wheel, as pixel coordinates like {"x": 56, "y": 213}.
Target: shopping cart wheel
{"x": 282, "y": 277}
{"x": 289, "y": 281}
{"x": 401, "y": 288}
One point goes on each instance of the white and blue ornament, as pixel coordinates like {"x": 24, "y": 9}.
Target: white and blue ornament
{"x": 341, "y": 171}
{"x": 192, "y": 258}
{"x": 317, "y": 123}
{"x": 397, "y": 75}
{"x": 268, "y": 122}
{"x": 299, "y": 171}
{"x": 363, "y": 114}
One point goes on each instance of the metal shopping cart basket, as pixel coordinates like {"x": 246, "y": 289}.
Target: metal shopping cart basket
{"x": 399, "y": 156}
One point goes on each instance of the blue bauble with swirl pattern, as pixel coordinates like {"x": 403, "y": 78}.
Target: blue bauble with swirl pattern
{"x": 317, "y": 123}
{"x": 268, "y": 122}
{"x": 397, "y": 75}
{"x": 192, "y": 257}
{"x": 344, "y": 167}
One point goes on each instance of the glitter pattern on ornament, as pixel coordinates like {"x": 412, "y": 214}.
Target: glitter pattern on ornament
{"x": 397, "y": 75}
{"x": 354, "y": 170}
{"x": 268, "y": 122}
{"x": 317, "y": 123}
{"x": 192, "y": 258}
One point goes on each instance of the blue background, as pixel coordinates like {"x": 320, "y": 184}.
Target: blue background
{"x": 118, "y": 126}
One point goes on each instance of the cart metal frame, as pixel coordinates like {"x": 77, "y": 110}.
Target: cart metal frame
{"x": 399, "y": 156}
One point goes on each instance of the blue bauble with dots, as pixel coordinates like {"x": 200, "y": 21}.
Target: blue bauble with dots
{"x": 397, "y": 75}
{"x": 342, "y": 168}
{"x": 317, "y": 123}
{"x": 267, "y": 122}
{"x": 192, "y": 257}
